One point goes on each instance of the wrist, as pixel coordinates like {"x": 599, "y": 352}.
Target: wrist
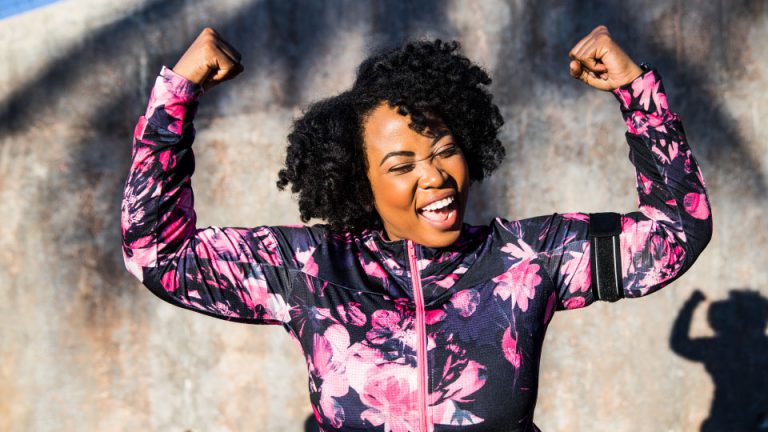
{"x": 194, "y": 75}
{"x": 179, "y": 85}
{"x": 634, "y": 72}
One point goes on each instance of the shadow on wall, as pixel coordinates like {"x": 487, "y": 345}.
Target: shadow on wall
{"x": 736, "y": 358}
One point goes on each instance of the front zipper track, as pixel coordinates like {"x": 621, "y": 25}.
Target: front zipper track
{"x": 421, "y": 331}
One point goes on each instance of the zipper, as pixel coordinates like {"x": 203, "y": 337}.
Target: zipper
{"x": 421, "y": 332}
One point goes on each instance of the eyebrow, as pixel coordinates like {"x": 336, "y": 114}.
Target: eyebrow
{"x": 410, "y": 153}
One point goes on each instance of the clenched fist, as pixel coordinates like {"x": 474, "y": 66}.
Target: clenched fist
{"x": 209, "y": 60}
{"x": 600, "y": 62}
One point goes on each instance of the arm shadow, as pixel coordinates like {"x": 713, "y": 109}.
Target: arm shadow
{"x": 736, "y": 358}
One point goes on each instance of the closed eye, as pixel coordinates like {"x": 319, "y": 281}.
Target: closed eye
{"x": 445, "y": 152}
{"x": 401, "y": 169}
{"x": 448, "y": 151}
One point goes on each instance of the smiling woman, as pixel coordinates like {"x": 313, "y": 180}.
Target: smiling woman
{"x": 408, "y": 318}
{"x": 417, "y": 126}
{"x": 420, "y": 181}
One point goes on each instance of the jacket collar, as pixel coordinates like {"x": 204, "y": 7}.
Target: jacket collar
{"x": 382, "y": 267}
{"x": 431, "y": 261}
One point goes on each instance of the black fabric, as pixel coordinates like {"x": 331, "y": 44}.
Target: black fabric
{"x": 605, "y": 256}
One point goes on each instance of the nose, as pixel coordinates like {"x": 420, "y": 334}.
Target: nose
{"x": 432, "y": 174}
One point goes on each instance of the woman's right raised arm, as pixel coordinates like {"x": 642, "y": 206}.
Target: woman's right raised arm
{"x": 239, "y": 274}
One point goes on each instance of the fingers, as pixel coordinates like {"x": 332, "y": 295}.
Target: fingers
{"x": 575, "y": 68}
{"x": 239, "y": 68}
{"x": 226, "y": 69}
{"x": 586, "y": 58}
{"x": 222, "y": 44}
{"x": 585, "y": 49}
{"x": 591, "y": 79}
{"x": 573, "y": 54}
{"x": 582, "y": 73}
{"x": 209, "y": 60}
{"x": 225, "y": 63}
{"x": 588, "y": 50}
{"x": 229, "y": 50}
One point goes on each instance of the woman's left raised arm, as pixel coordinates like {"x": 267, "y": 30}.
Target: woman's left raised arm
{"x": 656, "y": 244}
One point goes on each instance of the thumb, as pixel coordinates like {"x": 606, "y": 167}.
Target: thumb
{"x": 575, "y": 69}
{"x": 599, "y": 82}
{"x": 225, "y": 69}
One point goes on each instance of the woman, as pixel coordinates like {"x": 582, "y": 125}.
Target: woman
{"x": 409, "y": 319}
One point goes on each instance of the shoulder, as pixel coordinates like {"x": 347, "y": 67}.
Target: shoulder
{"x": 313, "y": 234}
{"x": 300, "y": 239}
{"x": 541, "y": 229}
{"x": 519, "y": 225}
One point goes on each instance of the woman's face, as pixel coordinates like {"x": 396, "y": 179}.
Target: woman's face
{"x": 420, "y": 182}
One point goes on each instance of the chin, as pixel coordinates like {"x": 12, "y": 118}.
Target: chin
{"x": 443, "y": 239}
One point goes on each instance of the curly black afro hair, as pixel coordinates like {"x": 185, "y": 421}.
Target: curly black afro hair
{"x": 325, "y": 161}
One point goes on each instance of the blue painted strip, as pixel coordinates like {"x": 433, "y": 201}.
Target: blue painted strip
{"x": 14, "y": 7}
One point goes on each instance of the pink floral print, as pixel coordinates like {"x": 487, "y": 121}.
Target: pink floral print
{"x": 348, "y": 298}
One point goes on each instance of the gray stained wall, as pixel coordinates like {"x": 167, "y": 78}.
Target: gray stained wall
{"x": 85, "y": 347}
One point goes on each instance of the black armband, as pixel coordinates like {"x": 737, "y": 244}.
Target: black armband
{"x": 605, "y": 256}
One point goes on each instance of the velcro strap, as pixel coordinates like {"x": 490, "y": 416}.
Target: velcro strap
{"x": 605, "y": 256}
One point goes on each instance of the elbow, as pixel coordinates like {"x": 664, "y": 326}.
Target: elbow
{"x": 132, "y": 261}
{"x": 697, "y": 221}
{"x": 137, "y": 262}
{"x": 707, "y": 233}
{"x": 698, "y": 240}
{"x": 139, "y": 252}
{"x": 680, "y": 255}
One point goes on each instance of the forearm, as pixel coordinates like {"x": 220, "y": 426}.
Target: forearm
{"x": 674, "y": 223}
{"x": 157, "y": 211}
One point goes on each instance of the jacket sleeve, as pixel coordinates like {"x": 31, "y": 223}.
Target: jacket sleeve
{"x": 659, "y": 242}
{"x": 238, "y": 274}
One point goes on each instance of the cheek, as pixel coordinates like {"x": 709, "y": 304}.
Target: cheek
{"x": 458, "y": 169}
{"x": 392, "y": 193}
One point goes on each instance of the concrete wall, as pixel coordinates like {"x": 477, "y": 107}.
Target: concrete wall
{"x": 85, "y": 347}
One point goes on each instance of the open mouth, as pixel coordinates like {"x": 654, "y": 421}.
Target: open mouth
{"x": 441, "y": 213}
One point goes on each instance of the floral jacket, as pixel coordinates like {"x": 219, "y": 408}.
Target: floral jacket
{"x": 398, "y": 336}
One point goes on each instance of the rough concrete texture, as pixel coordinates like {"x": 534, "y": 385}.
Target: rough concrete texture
{"x": 85, "y": 347}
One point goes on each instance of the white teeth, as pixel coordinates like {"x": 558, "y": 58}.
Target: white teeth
{"x": 438, "y": 204}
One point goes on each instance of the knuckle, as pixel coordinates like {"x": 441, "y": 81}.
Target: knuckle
{"x": 209, "y": 36}
{"x": 210, "y": 51}
{"x": 207, "y": 40}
